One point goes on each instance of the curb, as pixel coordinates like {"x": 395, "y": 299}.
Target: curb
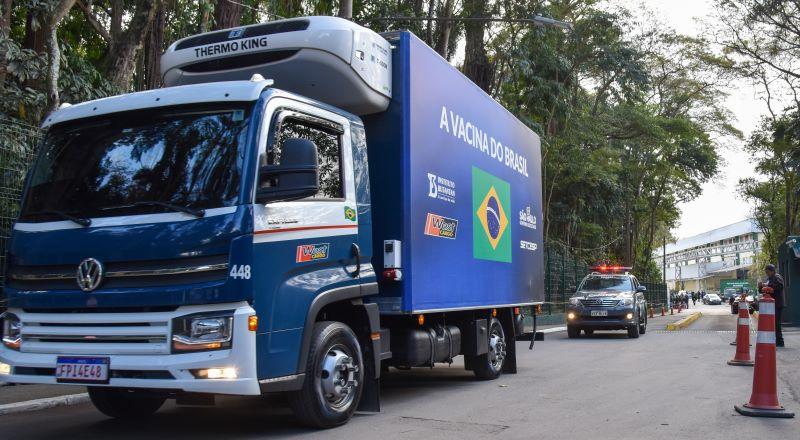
{"x": 685, "y": 322}
{"x": 46, "y": 403}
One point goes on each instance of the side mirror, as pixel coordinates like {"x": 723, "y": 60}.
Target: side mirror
{"x": 296, "y": 177}
{"x": 641, "y": 289}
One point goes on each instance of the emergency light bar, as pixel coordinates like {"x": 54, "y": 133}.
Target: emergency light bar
{"x": 611, "y": 268}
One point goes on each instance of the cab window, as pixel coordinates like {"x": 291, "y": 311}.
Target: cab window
{"x": 329, "y": 148}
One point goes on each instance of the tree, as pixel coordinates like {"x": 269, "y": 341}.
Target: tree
{"x": 227, "y": 14}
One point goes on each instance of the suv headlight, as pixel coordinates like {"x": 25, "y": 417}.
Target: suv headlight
{"x": 202, "y": 332}
{"x": 627, "y": 302}
{"x": 12, "y": 331}
{"x": 575, "y": 301}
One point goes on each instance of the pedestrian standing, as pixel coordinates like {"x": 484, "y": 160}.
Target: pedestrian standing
{"x": 775, "y": 281}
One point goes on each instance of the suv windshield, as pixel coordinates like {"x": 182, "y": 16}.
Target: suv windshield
{"x": 618, "y": 284}
{"x": 139, "y": 162}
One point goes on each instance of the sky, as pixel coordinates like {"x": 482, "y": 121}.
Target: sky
{"x": 719, "y": 204}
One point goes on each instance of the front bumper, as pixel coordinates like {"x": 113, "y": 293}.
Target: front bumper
{"x": 616, "y": 320}
{"x": 140, "y": 365}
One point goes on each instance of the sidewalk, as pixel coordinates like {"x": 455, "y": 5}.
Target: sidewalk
{"x": 21, "y": 393}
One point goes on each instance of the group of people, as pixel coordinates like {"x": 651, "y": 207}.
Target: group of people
{"x": 684, "y": 297}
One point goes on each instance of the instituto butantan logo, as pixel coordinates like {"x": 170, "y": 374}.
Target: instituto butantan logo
{"x": 441, "y": 188}
{"x": 491, "y": 199}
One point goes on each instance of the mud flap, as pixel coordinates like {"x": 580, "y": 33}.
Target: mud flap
{"x": 371, "y": 394}
{"x": 509, "y": 328}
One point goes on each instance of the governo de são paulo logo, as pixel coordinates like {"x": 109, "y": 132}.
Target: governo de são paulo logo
{"x": 491, "y": 235}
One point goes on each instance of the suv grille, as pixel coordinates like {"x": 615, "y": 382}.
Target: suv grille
{"x": 599, "y": 302}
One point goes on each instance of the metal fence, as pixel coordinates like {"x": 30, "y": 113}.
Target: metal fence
{"x": 17, "y": 144}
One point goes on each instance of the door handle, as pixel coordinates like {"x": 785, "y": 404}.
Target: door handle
{"x": 356, "y": 253}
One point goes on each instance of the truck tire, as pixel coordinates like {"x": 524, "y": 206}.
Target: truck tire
{"x": 124, "y": 404}
{"x": 573, "y": 332}
{"x": 489, "y": 366}
{"x": 334, "y": 377}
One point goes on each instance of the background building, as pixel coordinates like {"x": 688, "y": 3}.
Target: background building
{"x": 702, "y": 261}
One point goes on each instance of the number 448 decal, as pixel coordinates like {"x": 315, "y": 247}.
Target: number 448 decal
{"x": 242, "y": 271}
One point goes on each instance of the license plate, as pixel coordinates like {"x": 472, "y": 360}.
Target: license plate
{"x": 599, "y": 313}
{"x": 82, "y": 369}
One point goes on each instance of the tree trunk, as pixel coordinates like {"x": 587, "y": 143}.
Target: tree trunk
{"x": 444, "y": 28}
{"x": 346, "y": 9}
{"x": 227, "y": 14}
{"x": 5, "y": 30}
{"x": 154, "y": 46}
{"x": 54, "y": 52}
{"x": 205, "y": 15}
{"x": 476, "y": 62}
{"x": 120, "y": 59}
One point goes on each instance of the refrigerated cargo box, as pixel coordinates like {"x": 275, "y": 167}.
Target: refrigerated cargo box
{"x": 456, "y": 179}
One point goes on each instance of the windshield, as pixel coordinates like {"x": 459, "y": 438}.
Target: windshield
{"x": 104, "y": 167}
{"x": 617, "y": 284}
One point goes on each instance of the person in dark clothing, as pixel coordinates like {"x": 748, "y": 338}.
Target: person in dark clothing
{"x": 775, "y": 281}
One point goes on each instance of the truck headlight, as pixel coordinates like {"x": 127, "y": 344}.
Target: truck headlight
{"x": 202, "y": 332}
{"x": 12, "y": 331}
{"x": 575, "y": 301}
{"x": 627, "y": 302}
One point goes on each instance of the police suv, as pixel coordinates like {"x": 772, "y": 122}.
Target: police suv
{"x": 609, "y": 298}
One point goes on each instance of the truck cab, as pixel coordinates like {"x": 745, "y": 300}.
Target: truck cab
{"x": 222, "y": 235}
{"x": 609, "y": 298}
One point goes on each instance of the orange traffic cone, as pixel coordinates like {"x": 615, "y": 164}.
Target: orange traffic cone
{"x": 742, "y": 356}
{"x": 650, "y": 311}
{"x": 662, "y": 310}
{"x": 764, "y": 399}
{"x": 672, "y": 309}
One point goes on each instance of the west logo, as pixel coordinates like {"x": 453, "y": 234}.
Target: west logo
{"x": 491, "y": 199}
{"x": 311, "y": 252}
{"x": 438, "y": 226}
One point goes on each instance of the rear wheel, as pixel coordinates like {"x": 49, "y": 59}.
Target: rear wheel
{"x": 125, "y": 404}
{"x": 334, "y": 377}
{"x": 573, "y": 332}
{"x": 490, "y": 365}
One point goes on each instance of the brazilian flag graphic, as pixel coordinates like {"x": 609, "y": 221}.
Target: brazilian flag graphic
{"x": 491, "y": 201}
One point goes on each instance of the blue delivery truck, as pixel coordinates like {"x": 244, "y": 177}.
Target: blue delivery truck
{"x": 364, "y": 206}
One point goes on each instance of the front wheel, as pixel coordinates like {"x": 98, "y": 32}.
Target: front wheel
{"x": 334, "y": 377}
{"x": 490, "y": 365}
{"x": 633, "y": 331}
{"x": 643, "y": 325}
{"x": 125, "y": 404}
{"x": 573, "y": 332}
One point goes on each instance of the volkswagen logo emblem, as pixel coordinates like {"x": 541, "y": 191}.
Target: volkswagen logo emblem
{"x": 90, "y": 274}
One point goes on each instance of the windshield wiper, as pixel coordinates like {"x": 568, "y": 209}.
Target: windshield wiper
{"x": 191, "y": 211}
{"x": 85, "y": 222}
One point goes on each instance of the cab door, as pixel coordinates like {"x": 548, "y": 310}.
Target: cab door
{"x": 302, "y": 247}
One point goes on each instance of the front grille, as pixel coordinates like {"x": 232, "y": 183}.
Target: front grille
{"x": 127, "y": 274}
{"x": 599, "y": 302}
{"x": 249, "y": 32}
{"x": 96, "y": 334}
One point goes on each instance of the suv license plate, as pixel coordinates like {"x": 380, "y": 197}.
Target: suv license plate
{"x": 599, "y": 313}
{"x": 82, "y": 369}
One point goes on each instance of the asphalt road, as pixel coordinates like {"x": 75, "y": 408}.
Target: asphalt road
{"x": 664, "y": 385}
